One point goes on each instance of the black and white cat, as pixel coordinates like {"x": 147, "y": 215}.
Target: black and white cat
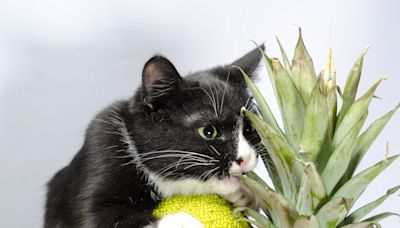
{"x": 176, "y": 135}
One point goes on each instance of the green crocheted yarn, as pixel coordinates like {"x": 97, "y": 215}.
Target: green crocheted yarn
{"x": 211, "y": 210}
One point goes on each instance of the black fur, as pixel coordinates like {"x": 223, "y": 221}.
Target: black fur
{"x": 107, "y": 183}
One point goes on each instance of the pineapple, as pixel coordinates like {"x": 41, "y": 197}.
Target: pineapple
{"x": 312, "y": 162}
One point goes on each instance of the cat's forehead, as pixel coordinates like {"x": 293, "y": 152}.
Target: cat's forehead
{"x": 212, "y": 99}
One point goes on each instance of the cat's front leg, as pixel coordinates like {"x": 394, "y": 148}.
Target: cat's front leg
{"x": 243, "y": 197}
{"x": 178, "y": 220}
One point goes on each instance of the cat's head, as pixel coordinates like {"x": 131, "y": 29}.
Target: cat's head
{"x": 189, "y": 133}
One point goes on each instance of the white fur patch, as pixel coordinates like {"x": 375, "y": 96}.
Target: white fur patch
{"x": 247, "y": 153}
{"x": 193, "y": 186}
{"x": 179, "y": 220}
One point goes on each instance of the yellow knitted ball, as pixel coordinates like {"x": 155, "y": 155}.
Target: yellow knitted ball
{"x": 211, "y": 210}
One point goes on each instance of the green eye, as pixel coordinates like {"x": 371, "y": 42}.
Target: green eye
{"x": 208, "y": 133}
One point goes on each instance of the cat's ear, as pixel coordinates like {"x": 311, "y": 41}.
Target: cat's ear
{"x": 160, "y": 80}
{"x": 248, "y": 63}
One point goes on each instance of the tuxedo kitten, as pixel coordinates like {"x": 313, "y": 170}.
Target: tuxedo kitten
{"x": 176, "y": 135}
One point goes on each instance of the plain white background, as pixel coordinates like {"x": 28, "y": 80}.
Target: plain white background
{"x": 62, "y": 61}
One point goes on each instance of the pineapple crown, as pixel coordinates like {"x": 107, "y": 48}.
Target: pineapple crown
{"x": 312, "y": 160}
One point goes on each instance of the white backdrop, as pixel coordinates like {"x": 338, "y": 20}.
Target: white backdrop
{"x": 62, "y": 61}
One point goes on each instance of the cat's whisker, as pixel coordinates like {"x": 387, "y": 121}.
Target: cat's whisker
{"x": 205, "y": 174}
{"x": 212, "y": 171}
{"x": 110, "y": 147}
{"x": 178, "y": 163}
{"x": 259, "y": 145}
{"x": 167, "y": 84}
{"x": 185, "y": 159}
{"x": 115, "y": 111}
{"x": 161, "y": 89}
{"x": 158, "y": 94}
{"x": 247, "y": 102}
{"x": 218, "y": 105}
{"x": 177, "y": 151}
{"x": 196, "y": 164}
{"x": 103, "y": 121}
{"x": 260, "y": 151}
{"x": 215, "y": 175}
{"x": 123, "y": 156}
{"x": 173, "y": 156}
{"x": 254, "y": 108}
{"x": 116, "y": 133}
{"x": 161, "y": 171}
{"x": 215, "y": 150}
{"x": 191, "y": 156}
{"x": 170, "y": 166}
{"x": 223, "y": 94}
{"x": 263, "y": 153}
{"x": 128, "y": 163}
{"x": 214, "y": 101}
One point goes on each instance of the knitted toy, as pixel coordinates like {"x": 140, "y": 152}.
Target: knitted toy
{"x": 211, "y": 210}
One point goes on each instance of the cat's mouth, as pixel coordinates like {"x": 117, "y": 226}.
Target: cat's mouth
{"x": 235, "y": 176}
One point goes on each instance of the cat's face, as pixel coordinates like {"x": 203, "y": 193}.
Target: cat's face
{"x": 189, "y": 129}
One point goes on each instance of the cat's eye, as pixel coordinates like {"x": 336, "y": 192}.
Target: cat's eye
{"x": 208, "y": 133}
{"x": 247, "y": 127}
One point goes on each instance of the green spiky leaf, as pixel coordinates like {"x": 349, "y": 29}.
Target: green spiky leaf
{"x": 351, "y": 87}
{"x": 353, "y": 188}
{"x": 263, "y": 106}
{"x": 281, "y": 153}
{"x": 306, "y": 221}
{"x": 290, "y": 103}
{"x": 344, "y": 139}
{"x": 379, "y": 217}
{"x": 365, "y": 140}
{"x": 333, "y": 212}
{"x": 282, "y": 213}
{"x": 260, "y": 220}
{"x": 329, "y": 90}
{"x": 316, "y": 125}
{"x": 312, "y": 191}
{"x": 340, "y": 158}
{"x": 357, "y": 110}
{"x": 285, "y": 59}
{"x": 303, "y": 70}
{"x": 360, "y": 225}
{"x": 366, "y": 209}
{"x": 312, "y": 162}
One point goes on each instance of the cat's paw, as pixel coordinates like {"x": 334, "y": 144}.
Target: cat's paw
{"x": 179, "y": 220}
{"x": 243, "y": 197}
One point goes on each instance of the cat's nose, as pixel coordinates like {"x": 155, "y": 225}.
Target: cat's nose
{"x": 242, "y": 164}
{"x": 239, "y": 161}
{"x": 242, "y": 161}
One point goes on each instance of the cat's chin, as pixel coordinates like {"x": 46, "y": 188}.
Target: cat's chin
{"x": 168, "y": 187}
